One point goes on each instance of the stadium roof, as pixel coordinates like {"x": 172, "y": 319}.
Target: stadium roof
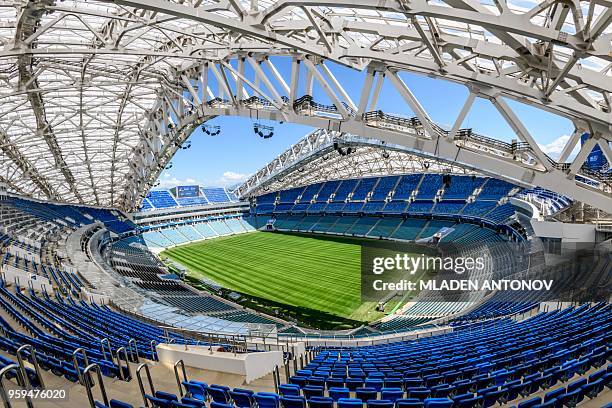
{"x": 98, "y": 95}
{"x": 326, "y": 155}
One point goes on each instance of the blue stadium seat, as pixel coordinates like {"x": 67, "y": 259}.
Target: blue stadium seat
{"x": 409, "y": 403}
{"x": 350, "y": 403}
{"x": 321, "y": 402}
{"x": 336, "y": 393}
{"x": 292, "y": 401}
{"x": 267, "y": 400}
{"x": 290, "y": 389}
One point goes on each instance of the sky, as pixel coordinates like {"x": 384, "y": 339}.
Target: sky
{"x": 237, "y": 152}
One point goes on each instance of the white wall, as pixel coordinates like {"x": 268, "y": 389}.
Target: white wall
{"x": 26, "y": 279}
{"x": 94, "y": 297}
{"x": 18, "y": 251}
{"x": 566, "y": 231}
{"x": 251, "y": 365}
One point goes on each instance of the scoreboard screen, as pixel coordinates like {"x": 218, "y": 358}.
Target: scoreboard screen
{"x": 187, "y": 191}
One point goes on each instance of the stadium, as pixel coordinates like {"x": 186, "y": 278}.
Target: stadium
{"x": 418, "y": 212}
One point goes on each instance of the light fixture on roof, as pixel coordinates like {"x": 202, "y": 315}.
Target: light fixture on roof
{"x": 263, "y": 131}
{"x": 211, "y": 130}
{"x": 343, "y": 152}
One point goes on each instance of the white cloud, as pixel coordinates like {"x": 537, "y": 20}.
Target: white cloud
{"x": 227, "y": 179}
{"x": 554, "y": 148}
{"x": 232, "y": 177}
{"x": 169, "y": 181}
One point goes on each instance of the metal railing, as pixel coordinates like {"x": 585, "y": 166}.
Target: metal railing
{"x": 103, "y": 348}
{"x": 141, "y": 385}
{"x": 124, "y": 374}
{"x": 21, "y": 381}
{"x": 89, "y": 384}
{"x": 133, "y": 348}
{"x": 75, "y": 362}
{"x": 20, "y": 351}
{"x": 179, "y": 383}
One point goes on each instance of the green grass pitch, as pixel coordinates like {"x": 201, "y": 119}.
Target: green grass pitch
{"x": 319, "y": 273}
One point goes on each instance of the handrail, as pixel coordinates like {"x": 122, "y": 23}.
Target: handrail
{"x": 20, "y": 380}
{"x": 177, "y": 376}
{"x": 127, "y": 364}
{"x": 141, "y": 385}
{"x": 153, "y": 349}
{"x": 75, "y": 361}
{"x": 133, "y": 346}
{"x": 88, "y": 384}
{"x": 110, "y": 350}
{"x": 19, "y": 352}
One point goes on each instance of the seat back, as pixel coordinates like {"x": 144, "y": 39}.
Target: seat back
{"x": 241, "y": 399}
{"x": 409, "y": 403}
{"x": 350, "y": 403}
{"x": 195, "y": 390}
{"x": 266, "y": 401}
{"x": 381, "y": 403}
{"x": 438, "y": 403}
{"x": 336, "y": 393}
{"x": 218, "y": 394}
{"x": 321, "y": 402}
{"x": 391, "y": 394}
{"x": 291, "y": 401}
{"x": 289, "y": 390}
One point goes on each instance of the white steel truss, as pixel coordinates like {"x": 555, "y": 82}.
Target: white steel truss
{"x": 98, "y": 95}
{"x": 328, "y": 155}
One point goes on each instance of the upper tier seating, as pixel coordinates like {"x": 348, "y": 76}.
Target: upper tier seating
{"x": 406, "y": 186}
{"x": 348, "y": 196}
{"x": 216, "y": 195}
{"x": 345, "y": 188}
{"x": 187, "y": 201}
{"x": 327, "y": 190}
{"x": 494, "y": 189}
{"x": 72, "y": 215}
{"x": 498, "y": 362}
{"x": 547, "y": 202}
{"x": 57, "y": 327}
{"x": 461, "y": 187}
{"x": 429, "y": 186}
{"x": 161, "y": 199}
{"x": 363, "y": 188}
{"x": 384, "y": 187}
{"x": 145, "y": 205}
{"x": 309, "y": 193}
{"x": 289, "y": 196}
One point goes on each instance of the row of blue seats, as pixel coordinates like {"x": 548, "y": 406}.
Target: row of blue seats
{"x": 70, "y": 325}
{"x": 73, "y": 215}
{"x": 198, "y": 393}
{"x": 160, "y": 199}
{"x": 456, "y": 187}
{"x": 477, "y": 211}
{"x": 53, "y": 354}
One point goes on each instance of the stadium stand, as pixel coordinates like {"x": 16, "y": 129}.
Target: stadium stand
{"x": 161, "y": 199}
{"x": 166, "y": 199}
{"x": 547, "y": 202}
{"x": 454, "y": 211}
{"x": 57, "y": 324}
{"x": 216, "y": 195}
{"x": 100, "y": 97}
